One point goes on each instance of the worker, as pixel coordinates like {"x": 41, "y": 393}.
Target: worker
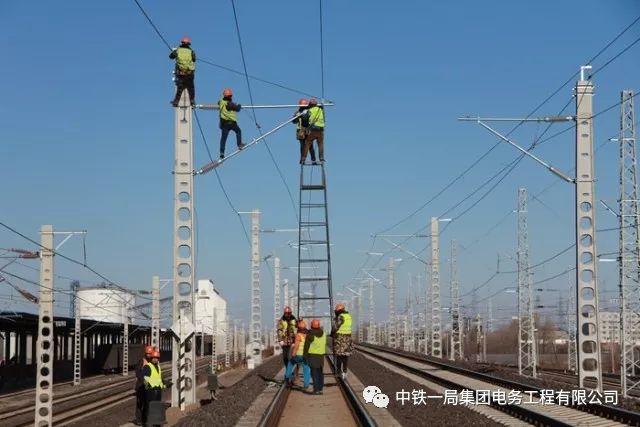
{"x": 229, "y": 120}
{"x": 153, "y": 379}
{"x": 286, "y": 334}
{"x": 141, "y": 398}
{"x": 315, "y": 347}
{"x": 185, "y": 70}
{"x": 301, "y": 120}
{"x": 315, "y": 130}
{"x": 296, "y": 356}
{"x": 342, "y": 341}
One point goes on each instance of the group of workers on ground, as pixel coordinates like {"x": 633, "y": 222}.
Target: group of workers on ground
{"x": 309, "y": 119}
{"x": 149, "y": 383}
{"x": 308, "y": 347}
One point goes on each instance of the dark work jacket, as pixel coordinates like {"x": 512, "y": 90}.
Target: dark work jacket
{"x": 302, "y": 120}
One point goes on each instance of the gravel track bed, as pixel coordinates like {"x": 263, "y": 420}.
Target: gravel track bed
{"x": 433, "y": 413}
{"x": 507, "y": 373}
{"x": 234, "y": 401}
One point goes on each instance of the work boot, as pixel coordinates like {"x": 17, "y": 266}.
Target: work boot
{"x": 241, "y": 146}
{"x": 221, "y": 156}
{"x": 174, "y": 103}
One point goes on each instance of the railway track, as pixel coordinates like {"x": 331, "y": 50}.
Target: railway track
{"x": 273, "y": 416}
{"x": 73, "y": 407}
{"x": 456, "y": 378}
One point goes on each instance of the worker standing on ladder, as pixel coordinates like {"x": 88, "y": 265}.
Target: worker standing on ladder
{"x": 286, "y": 334}
{"x": 301, "y": 120}
{"x": 342, "y": 341}
{"x": 296, "y": 357}
{"x": 315, "y": 130}
{"x": 185, "y": 70}
{"x": 141, "y": 398}
{"x": 229, "y": 120}
{"x": 315, "y": 348}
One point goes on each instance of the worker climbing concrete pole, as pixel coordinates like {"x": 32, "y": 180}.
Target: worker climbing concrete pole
{"x": 185, "y": 70}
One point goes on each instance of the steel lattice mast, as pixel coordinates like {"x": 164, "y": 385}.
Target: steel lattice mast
{"x": 526, "y": 325}
{"x": 456, "y": 341}
{"x": 436, "y": 316}
{"x": 276, "y": 300}
{"x": 370, "y": 330}
{"x": 629, "y": 244}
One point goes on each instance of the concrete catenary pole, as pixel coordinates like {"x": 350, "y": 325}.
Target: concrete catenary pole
{"x": 456, "y": 339}
{"x": 155, "y": 311}
{"x": 255, "y": 327}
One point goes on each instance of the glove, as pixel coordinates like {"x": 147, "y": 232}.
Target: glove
{"x": 281, "y": 343}
{"x": 239, "y": 107}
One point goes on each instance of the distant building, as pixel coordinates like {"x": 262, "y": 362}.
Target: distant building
{"x": 207, "y": 299}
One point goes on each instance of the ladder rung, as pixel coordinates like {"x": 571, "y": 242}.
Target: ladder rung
{"x": 314, "y": 279}
{"x": 313, "y": 224}
{"x": 312, "y": 298}
{"x": 313, "y": 187}
{"x": 313, "y": 260}
{"x": 312, "y": 205}
{"x": 313, "y": 242}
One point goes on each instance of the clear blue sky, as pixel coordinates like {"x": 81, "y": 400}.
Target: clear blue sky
{"x": 87, "y": 132}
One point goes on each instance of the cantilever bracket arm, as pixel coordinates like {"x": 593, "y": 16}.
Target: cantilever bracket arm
{"x": 411, "y": 254}
{"x": 215, "y": 163}
{"x": 527, "y": 153}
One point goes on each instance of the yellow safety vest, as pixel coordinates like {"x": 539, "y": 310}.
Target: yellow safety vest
{"x": 345, "y": 328}
{"x": 302, "y": 338}
{"x": 316, "y": 117}
{"x": 318, "y": 345}
{"x": 184, "y": 60}
{"x": 288, "y": 326}
{"x": 155, "y": 379}
{"x": 226, "y": 114}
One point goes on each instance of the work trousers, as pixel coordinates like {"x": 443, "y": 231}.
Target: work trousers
{"x": 185, "y": 81}
{"x": 286, "y": 351}
{"x": 227, "y": 126}
{"x": 341, "y": 364}
{"x": 141, "y": 404}
{"x": 318, "y": 378}
{"x": 312, "y": 151}
{"x": 306, "y": 372}
{"x": 314, "y": 135}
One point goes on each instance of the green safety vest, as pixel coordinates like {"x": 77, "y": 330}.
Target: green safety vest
{"x": 184, "y": 60}
{"x": 318, "y": 345}
{"x": 345, "y": 328}
{"x": 300, "y": 351}
{"x": 316, "y": 117}
{"x": 224, "y": 113}
{"x": 155, "y": 379}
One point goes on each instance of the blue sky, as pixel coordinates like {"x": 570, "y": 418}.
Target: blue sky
{"x": 87, "y": 132}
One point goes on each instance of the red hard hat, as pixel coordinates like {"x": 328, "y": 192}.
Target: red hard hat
{"x": 148, "y": 349}
{"x": 339, "y": 307}
{"x": 287, "y": 309}
{"x": 302, "y": 324}
{"x": 313, "y": 101}
{"x": 155, "y": 354}
{"x": 227, "y": 92}
{"x": 303, "y": 102}
{"x": 315, "y": 324}
{"x": 185, "y": 40}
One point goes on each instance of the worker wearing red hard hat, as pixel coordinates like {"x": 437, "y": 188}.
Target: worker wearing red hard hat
{"x": 315, "y": 130}
{"x": 286, "y": 333}
{"x": 301, "y": 120}
{"x": 296, "y": 357}
{"x": 229, "y": 120}
{"x": 342, "y": 340}
{"x": 141, "y": 397}
{"x": 315, "y": 348}
{"x": 153, "y": 382}
{"x": 185, "y": 70}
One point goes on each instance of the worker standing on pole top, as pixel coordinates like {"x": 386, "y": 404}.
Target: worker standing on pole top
{"x": 315, "y": 130}
{"x": 315, "y": 347}
{"x": 286, "y": 334}
{"x": 141, "y": 398}
{"x": 229, "y": 120}
{"x": 301, "y": 120}
{"x": 342, "y": 341}
{"x": 296, "y": 357}
{"x": 185, "y": 70}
